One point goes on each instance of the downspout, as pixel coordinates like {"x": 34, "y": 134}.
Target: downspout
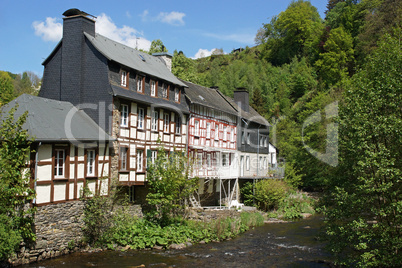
{"x": 258, "y": 151}
{"x": 36, "y": 169}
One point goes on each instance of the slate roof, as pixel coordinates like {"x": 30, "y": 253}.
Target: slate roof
{"x": 251, "y": 115}
{"x": 208, "y": 97}
{"x": 154, "y": 102}
{"x": 50, "y": 120}
{"x": 132, "y": 58}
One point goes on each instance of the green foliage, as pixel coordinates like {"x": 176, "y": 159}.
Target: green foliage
{"x": 157, "y": 46}
{"x": 337, "y": 60}
{"x": 294, "y": 32}
{"x": 363, "y": 205}
{"x": 141, "y": 233}
{"x": 6, "y": 88}
{"x": 295, "y": 204}
{"x": 269, "y": 193}
{"x": 170, "y": 186}
{"x": 16, "y": 218}
{"x": 183, "y": 67}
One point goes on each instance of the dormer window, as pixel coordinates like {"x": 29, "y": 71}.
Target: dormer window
{"x": 164, "y": 92}
{"x": 140, "y": 83}
{"x": 124, "y": 78}
{"x": 153, "y": 88}
{"x": 176, "y": 95}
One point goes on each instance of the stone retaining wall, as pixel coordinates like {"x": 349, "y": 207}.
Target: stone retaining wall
{"x": 58, "y": 229}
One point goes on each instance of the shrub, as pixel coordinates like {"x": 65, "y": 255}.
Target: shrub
{"x": 269, "y": 193}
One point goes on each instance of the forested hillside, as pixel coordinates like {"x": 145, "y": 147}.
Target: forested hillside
{"x": 332, "y": 89}
{"x": 14, "y": 85}
{"x": 299, "y": 66}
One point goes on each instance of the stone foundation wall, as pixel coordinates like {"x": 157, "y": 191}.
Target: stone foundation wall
{"x": 58, "y": 231}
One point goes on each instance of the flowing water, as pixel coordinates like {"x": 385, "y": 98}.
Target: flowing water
{"x": 292, "y": 244}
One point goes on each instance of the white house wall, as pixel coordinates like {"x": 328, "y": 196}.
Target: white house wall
{"x": 55, "y": 188}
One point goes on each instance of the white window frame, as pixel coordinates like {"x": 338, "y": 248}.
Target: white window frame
{"x": 91, "y": 162}
{"x": 209, "y": 160}
{"x": 153, "y": 88}
{"x": 217, "y": 132}
{"x": 247, "y": 162}
{"x": 225, "y": 133}
{"x": 123, "y": 81}
{"x": 154, "y": 155}
{"x": 178, "y": 124}
{"x": 176, "y": 94}
{"x": 140, "y": 160}
{"x": 123, "y": 158}
{"x": 164, "y": 91}
{"x": 248, "y": 138}
{"x": 140, "y": 86}
{"x": 141, "y": 115}
{"x": 155, "y": 120}
{"x": 166, "y": 122}
{"x": 124, "y": 115}
{"x": 60, "y": 161}
{"x": 232, "y": 134}
{"x": 208, "y": 131}
{"x": 196, "y": 128}
{"x": 225, "y": 160}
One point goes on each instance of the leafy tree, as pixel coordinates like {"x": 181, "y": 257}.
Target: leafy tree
{"x": 16, "y": 219}
{"x": 170, "y": 186}
{"x": 364, "y": 201}
{"x": 6, "y": 88}
{"x": 183, "y": 67}
{"x": 157, "y": 46}
{"x": 337, "y": 60}
{"x": 294, "y": 32}
{"x": 257, "y": 101}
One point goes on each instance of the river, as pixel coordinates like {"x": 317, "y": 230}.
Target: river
{"x": 293, "y": 244}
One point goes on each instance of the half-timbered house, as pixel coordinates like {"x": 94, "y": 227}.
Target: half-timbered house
{"x": 133, "y": 96}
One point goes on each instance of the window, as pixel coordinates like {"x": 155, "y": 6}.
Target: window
{"x": 140, "y": 118}
{"x": 123, "y": 158}
{"x": 248, "y": 138}
{"x": 243, "y": 138}
{"x": 164, "y": 91}
{"x": 176, "y": 95}
{"x": 153, "y": 88}
{"x": 124, "y": 115}
{"x": 216, "y": 132}
{"x": 166, "y": 122}
{"x": 260, "y": 162}
{"x": 225, "y": 160}
{"x": 59, "y": 160}
{"x": 225, "y": 133}
{"x": 140, "y": 83}
{"x": 265, "y": 163}
{"x": 266, "y": 142}
{"x": 154, "y": 121}
{"x": 232, "y": 135}
{"x": 196, "y": 128}
{"x": 208, "y": 130}
{"x": 199, "y": 160}
{"x": 140, "y": 160}
{"x": 209, "y": 163}
{"x": 90, "y": 162}
{"x": 153, "y": 156}
{"x": 123, "y": 81}
{"x": 247, "y": 162}
{"x": 261, "y": 141}
{"x": 178, "y": 124}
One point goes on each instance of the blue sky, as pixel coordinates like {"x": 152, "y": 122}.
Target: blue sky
{"x": 30, "y": 29}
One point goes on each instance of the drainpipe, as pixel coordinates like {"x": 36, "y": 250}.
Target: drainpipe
{"x": 36, "y": 169}
{"x": 258, "y": 151}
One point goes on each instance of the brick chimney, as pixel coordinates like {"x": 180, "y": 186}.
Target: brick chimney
{"x": 166, "y": 58}
{"x": 241, "y": 98}
{"x": 75, "y": 23}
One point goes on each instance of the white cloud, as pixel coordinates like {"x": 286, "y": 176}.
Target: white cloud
{"x": 50, "y": 30}
{"x": 202, "y": 53}
{"x": 173, "y": 18}
{"x": 125, "y": 35}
